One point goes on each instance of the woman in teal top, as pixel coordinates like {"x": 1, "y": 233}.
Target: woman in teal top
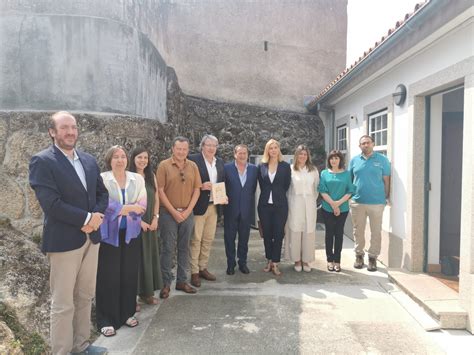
{"x": 336, "y": 188}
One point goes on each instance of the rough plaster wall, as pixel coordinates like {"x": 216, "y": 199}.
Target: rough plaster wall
{"x": 88, "y": 63}
{"x": 217, "y": 48}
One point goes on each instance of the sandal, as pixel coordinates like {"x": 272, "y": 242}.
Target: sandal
{"x": 337, "y": 267}
{"x": 269, "y": 266}
{"x": 108, "y": 331}
{"x": 330, "y": 266}
{"x": 275, "y": 270}
{"x": 131, "y": 322}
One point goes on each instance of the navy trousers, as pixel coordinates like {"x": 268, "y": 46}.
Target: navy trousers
{"x": 273, "y": 220}
{"x": 232, "y": 226}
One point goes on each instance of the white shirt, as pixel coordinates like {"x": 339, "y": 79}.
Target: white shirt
{"x": 212, "y": 172}
{"x": 271, "y": 176}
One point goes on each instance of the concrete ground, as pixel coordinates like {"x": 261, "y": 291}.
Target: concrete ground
{"x": 321, "y": 312}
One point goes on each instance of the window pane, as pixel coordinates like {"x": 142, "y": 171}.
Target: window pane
{"x": 384, "y": 122}
{"x": 378, "y": 138}
{"x": 372, "y": 125}
{"x": 384, "y": 137}
{"x": 379, "y": 119}
{"x": 373, "y": 136}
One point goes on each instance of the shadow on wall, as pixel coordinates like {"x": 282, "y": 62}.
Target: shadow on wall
{"x": 397, "y": 257}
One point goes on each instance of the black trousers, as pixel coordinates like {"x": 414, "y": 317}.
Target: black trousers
{"x": 117, "y": 281}
{"x": 334, "y": 234}
{"x": 232, "y": 226}
{"x": 273, "y": 220}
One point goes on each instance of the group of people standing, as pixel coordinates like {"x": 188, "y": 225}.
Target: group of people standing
{"x": 123, "y": 207}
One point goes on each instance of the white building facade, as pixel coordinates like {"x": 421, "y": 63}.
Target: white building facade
{"x": 427, "y": 134}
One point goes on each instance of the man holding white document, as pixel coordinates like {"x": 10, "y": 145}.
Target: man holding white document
{"x": 211, "y": 169}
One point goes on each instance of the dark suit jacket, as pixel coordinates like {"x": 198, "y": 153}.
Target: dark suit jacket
{"x": 240, "y": 198}
{"x": 279, "y": 187}
{"x": 63, "y": 198}
{"x": 203, "y": 201}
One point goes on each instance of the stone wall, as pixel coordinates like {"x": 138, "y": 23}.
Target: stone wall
{"x": 22, "y": 134}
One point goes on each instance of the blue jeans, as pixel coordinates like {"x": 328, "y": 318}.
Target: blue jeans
{"x": 174, "y": 234}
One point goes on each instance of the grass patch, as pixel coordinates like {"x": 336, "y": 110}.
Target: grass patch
{"x": 36, "y": 238}
{"x": 30, "y": 343}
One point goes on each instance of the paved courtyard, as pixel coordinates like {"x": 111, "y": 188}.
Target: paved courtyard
{"x": 353, "y": 312}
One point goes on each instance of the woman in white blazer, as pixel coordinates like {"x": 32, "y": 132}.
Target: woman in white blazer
{"x": 302, "y": 195}
{"x": 119, "y": 252}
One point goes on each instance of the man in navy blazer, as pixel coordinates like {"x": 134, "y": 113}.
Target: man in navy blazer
{"x": 71, "y": 193}
{"x": 240, "y": 183}
{"x": 211, "y": 169}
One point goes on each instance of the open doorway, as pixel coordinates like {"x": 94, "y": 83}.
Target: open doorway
{"x": 445, "y": 177}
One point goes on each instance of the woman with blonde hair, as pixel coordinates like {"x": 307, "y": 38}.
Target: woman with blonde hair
{"x": 274, "y": 178}
{"x": 302, "y": 195}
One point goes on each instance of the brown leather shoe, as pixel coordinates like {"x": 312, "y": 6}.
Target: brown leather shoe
{"x": 372, "y": 264}
{"x": 195, "y": 280}
{"x": 206, "y": 275}
{"x": 359, "y": 262}
{"x": 165, "y": 292}
{"x": 183, "y": 286}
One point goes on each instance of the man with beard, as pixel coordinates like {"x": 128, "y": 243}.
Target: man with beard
{"x": 70, "y": 190}
{"x": 371, "y": 175}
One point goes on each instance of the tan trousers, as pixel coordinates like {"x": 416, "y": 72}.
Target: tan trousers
{"x": 299, "y": 246}
{"x": 359, "y": 213}
{"x": 201, "y": 241}
{"x": 72, "y": 283}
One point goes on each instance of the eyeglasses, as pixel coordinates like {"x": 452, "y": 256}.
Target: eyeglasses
{"x": 182, "y": 176}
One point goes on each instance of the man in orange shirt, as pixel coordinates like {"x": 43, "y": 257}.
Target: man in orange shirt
{"x": 179, "y": 186}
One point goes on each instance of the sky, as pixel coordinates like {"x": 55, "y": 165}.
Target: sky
{"x": 369, "y": 20}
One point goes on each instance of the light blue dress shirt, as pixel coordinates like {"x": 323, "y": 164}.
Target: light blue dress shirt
{"x": 243, "y": 177}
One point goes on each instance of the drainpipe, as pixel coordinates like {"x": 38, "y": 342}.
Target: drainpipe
{"x": 329, "y": 125}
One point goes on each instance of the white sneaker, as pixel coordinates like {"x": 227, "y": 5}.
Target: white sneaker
{"x": 298, "y": 268}
{"x": 307, "y": 268}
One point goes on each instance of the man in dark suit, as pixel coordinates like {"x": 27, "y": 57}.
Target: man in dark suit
{"x": 211, "y": 169}
{"x": 70, "y": 190}
{"x": 240, "y": 183}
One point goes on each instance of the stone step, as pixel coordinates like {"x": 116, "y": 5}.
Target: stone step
{"x": 440, "y": 301}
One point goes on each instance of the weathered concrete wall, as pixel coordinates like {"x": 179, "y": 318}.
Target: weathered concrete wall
{"x": 217, "y": 48}
{"x": 55, "y": 61}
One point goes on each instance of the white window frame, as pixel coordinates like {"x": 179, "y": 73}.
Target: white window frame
{"x": 376, "y": 130}
{"x": 339, "y": 140}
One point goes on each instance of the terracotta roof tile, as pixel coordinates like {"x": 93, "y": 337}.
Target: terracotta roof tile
{"x": 398, "y": 25}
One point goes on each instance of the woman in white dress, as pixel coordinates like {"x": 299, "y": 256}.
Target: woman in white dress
{"x": 302, "y": 195}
